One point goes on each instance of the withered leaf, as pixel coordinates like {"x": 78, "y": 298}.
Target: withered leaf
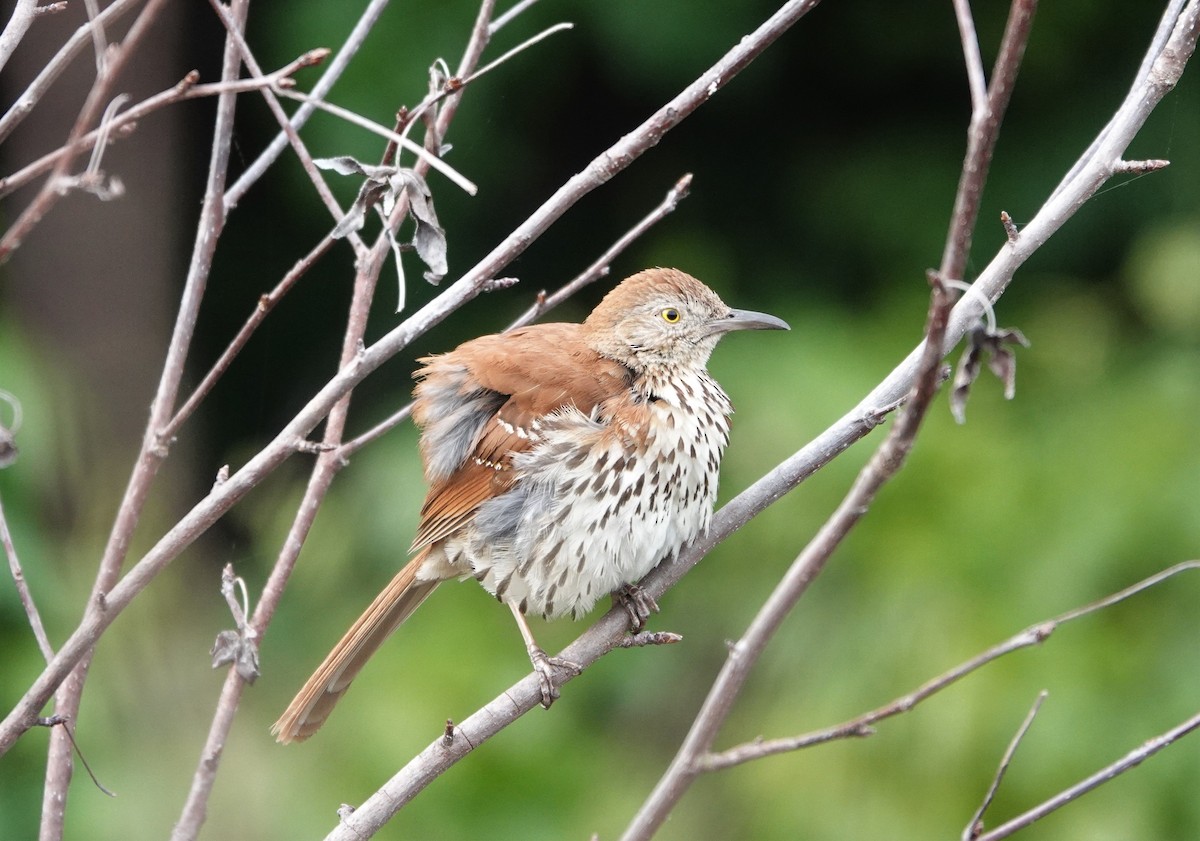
{"x": 997, "y": 345}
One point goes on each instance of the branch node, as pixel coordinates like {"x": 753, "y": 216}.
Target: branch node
{"x": 1010, "y": 228}
{"x": 51, "y": 8}
{"x": 240, "y": 647}
{"x": 644, "y": 638}
{"x": 1140, "y": 167}
{"x": 303, "y": 445}
{"x": 312, "y": 57}
{"x": 448, "y": 735}
{"x": 222, "y": 476}
{"x": 189, "y": 81}
{"x": 497, "y": 283}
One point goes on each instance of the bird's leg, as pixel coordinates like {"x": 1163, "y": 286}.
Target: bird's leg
{"x": 637, "y": 603}
{"x": 542, "y": 664}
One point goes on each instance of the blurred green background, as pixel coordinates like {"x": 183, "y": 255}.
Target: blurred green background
{"x": 824, "y": 176}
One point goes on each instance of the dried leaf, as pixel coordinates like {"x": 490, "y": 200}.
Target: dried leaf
{"x": 429, "y": 239}
{"x": 232, "y": 647}
{"x": 383, "y": 186}
{"x": 1001, "y": 361}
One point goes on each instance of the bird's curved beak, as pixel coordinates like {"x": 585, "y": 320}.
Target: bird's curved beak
{"x": 747, "y": 320}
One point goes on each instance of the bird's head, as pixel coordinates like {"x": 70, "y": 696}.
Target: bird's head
{"x": 663, "y": 318}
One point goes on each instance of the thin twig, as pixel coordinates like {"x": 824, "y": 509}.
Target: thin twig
{"x": 976, "y": 82}
{"x": 457, "y": 178}
{"x": 1110, "y": 772}
{"x": 975, "y": 826}
{"x": 27, "y": 602}
{"x": 509, "y": 16}
{"x": 99, "y": 42}
{"x": 266, "y": 303}
{"x": 602, "y": 264}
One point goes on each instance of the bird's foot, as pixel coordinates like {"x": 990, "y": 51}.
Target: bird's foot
{"x": 637, "y": 603}
{"x": 545, "y": 665}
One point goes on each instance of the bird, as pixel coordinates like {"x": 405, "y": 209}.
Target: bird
{"x": 564, "y": 462}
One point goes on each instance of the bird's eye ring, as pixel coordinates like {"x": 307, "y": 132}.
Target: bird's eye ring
{"x": 670, "y": 315}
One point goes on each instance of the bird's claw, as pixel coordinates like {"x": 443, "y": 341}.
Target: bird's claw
{"x": 637, "y": 603}
{"x": 544, "y": 665}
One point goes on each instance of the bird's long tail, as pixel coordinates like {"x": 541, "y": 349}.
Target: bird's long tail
{"x": 315, "y": 700}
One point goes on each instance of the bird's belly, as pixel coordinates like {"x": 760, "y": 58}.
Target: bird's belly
{"x": 579, "y": 525}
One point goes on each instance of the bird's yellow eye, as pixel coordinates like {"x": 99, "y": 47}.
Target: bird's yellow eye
{"x": 670, "y": 315}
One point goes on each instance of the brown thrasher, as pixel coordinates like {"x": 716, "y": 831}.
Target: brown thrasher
{"x": 564, "y": 462}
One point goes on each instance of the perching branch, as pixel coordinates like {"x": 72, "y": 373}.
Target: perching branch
{"x": 27, "y": 602}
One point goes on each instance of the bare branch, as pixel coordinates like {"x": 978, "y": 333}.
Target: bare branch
{"x": 971, "y": 56}
{"x": 1130, "y": 760}
{"x": 27, "y": 602}
{"x": 975, "y": 826}
{"x": 23, "y": 14}
{"x": 982, "y": 134}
